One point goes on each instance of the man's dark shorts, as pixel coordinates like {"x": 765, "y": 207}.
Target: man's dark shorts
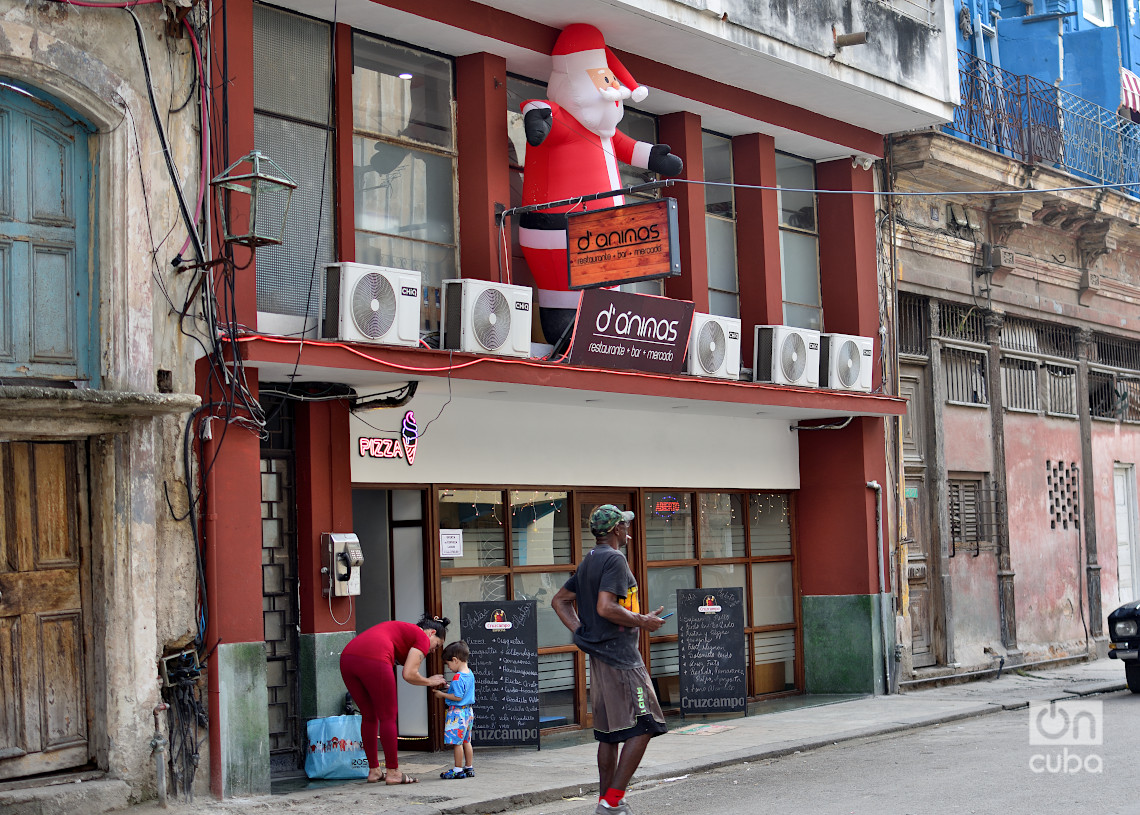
{"x": 623, "y": 703}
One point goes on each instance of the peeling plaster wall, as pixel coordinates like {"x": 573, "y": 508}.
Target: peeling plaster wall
{"x": 143, "y": 559}
{"x": 1049, "y": 562}
{"x": 1112, "y": 443}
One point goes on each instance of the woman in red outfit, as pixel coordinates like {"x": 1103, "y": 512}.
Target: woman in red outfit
{"x": 367, "y": 666}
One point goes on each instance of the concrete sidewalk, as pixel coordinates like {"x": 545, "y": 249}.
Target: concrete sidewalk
{"x": 512, "y": 778}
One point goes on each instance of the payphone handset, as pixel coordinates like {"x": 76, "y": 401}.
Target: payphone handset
{"x": 342, "y": 559}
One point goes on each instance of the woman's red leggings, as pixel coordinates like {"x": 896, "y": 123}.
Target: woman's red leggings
{"x": 373, "y": 687}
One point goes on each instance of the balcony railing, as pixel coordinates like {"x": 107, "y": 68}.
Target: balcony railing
{"x": 1036, "y": 123}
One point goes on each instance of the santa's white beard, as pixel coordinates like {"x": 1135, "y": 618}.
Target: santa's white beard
{"x": 580, "y": 97}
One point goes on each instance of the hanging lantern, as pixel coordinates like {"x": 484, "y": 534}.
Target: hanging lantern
{"x": 253, "y": 206}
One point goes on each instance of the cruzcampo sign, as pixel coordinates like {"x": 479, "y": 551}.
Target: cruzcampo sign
{"x": 640, "y": 332}
{"x": 623, "y": 244}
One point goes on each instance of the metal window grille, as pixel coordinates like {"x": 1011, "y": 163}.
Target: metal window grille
{"x": 913, "y": 321}
{"x": 279, "y": 587}
{"x": 962, "y": 323}
{"x": 1116, "y": 352}
{"x": 1063, "y": 480}
{"x": 1061, "y": 387}
{"x": 1019, "y": 384}
{"x": 1102, "y": 395}
{"x": 1128, "y": 399}
{"x": 965, "y": 376}
{"x": 1032, "y": 337}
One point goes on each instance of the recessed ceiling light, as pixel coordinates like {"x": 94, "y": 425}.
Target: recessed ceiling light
{"x": 405, "y": 75}
{"x": 679, "y": 407}
{"x": 588, "y": 401}
{"x": 490, "y": 392}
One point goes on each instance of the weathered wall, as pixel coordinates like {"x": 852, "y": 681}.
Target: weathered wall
{"x": 89, "y": 60}
{"x": 1112, "y": 443}
{"x": 1046, "y": 553}
{"x": 899, "y": 49}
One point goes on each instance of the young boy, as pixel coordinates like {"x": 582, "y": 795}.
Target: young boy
{"x": 460, "y": 697}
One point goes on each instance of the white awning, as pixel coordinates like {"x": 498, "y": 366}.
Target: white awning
{"x": 1130, "y": 89}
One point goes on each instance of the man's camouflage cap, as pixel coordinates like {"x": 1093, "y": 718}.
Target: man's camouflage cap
{"x": 606, "y": 517}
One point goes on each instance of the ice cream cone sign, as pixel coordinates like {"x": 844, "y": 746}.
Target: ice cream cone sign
{"x": 409, "y": 437}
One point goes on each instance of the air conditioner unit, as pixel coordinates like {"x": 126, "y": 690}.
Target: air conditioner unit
{"x": 714, "y": 346}
{"x": 845, "y": 362}
{"x": 786, "y": 356}
{"x": 486, "y": 318}
{"x": 371, "y": 304}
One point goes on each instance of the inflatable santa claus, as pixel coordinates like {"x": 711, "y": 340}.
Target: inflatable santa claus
{"x": 574, "y": 148}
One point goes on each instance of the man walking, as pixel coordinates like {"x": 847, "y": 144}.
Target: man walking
{"x": 599, "y": 603}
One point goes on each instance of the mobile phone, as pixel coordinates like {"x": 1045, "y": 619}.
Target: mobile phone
{"x": 668, "y": 615}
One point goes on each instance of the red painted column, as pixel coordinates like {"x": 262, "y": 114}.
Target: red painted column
{"x": 324, "y": 504}
{"x": 835, "y": 510}
{"x": 682, "y": 132}
{"x": 232, "y": 67}
{"x": 848, "y": 274}
{"x": 230, "y": 464}
{"x": 231, "y": 533}
{"x": 757, "y": 237}
{"x": 484, "y": 176}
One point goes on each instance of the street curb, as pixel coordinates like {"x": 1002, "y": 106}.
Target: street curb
{"x": 508, "y": 802}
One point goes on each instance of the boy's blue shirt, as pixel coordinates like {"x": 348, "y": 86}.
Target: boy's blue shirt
{"x": 463, "y": 686}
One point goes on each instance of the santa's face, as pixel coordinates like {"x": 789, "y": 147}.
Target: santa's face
{"x": 584, "y": 95}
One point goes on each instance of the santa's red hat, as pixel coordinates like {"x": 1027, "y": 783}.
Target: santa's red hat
{"x": 581, "y": 46}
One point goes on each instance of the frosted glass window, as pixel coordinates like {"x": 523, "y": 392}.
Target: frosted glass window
{"x": 540, "y": 587}
{"x": 722, "y": 525}
{"x": 799, "y": 242}
{"x": 773, "y": 661}
{"x": 667, "y": 518}
{"x": 540, "y": 528}
{"x": 769, "y": 526}
{"x": 723, "y": 576}
{"x": 474, "y": 588}
{"x": 772, "y": 593}
{"x": 663, "y": 584}
{"x": 478, "y": 514}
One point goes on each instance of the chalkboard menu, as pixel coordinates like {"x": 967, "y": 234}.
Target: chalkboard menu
{"x": 503, "y": 638}
{"x": 710, "y": 627}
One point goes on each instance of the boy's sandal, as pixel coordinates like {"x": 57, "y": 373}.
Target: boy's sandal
{"x": 404, "y": 779}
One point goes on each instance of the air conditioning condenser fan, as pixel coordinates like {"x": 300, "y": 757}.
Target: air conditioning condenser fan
{"x": 793, "y": 356}
{"x": 710, "y": 346}
{"x": 373, "y": 305}
{"x": 845, "y": 362}
{"x": 714, "y": 346}
{"x": 491, "y": 319}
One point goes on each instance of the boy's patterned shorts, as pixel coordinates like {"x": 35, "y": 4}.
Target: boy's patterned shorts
{"x": 457, "y": 727}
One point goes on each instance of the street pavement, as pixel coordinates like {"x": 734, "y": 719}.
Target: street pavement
{"x": 512, "y": 778}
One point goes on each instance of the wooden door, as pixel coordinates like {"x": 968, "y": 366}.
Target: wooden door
{"x": 921, "y": 568}
{"x": 44, "y": 712}
{"x": 919, "y": 573}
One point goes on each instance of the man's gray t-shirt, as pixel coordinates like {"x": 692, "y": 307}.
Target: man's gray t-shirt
{"x": 605, "y": 569}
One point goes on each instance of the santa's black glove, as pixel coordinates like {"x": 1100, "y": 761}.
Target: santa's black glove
{"x": 536, "y": 125}
{"x": 662, "y": 162}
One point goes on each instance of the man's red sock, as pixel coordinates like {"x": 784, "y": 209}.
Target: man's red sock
{"x": 613, "y": 796}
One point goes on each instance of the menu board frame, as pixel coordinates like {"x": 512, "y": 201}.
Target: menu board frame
{"x": 503, "y": 638}
{"x": 711, "y": 650}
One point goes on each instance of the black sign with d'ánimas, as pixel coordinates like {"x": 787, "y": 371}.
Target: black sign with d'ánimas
{"x": 503, "y": 638}
{"x": 710, "y": 628}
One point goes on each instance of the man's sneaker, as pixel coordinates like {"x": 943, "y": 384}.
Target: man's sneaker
{"x": 469, "y": 772}
{"x": 605, "y": 809}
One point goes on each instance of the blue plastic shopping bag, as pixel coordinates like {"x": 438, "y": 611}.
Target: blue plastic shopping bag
{"x": 335, "y": 749}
